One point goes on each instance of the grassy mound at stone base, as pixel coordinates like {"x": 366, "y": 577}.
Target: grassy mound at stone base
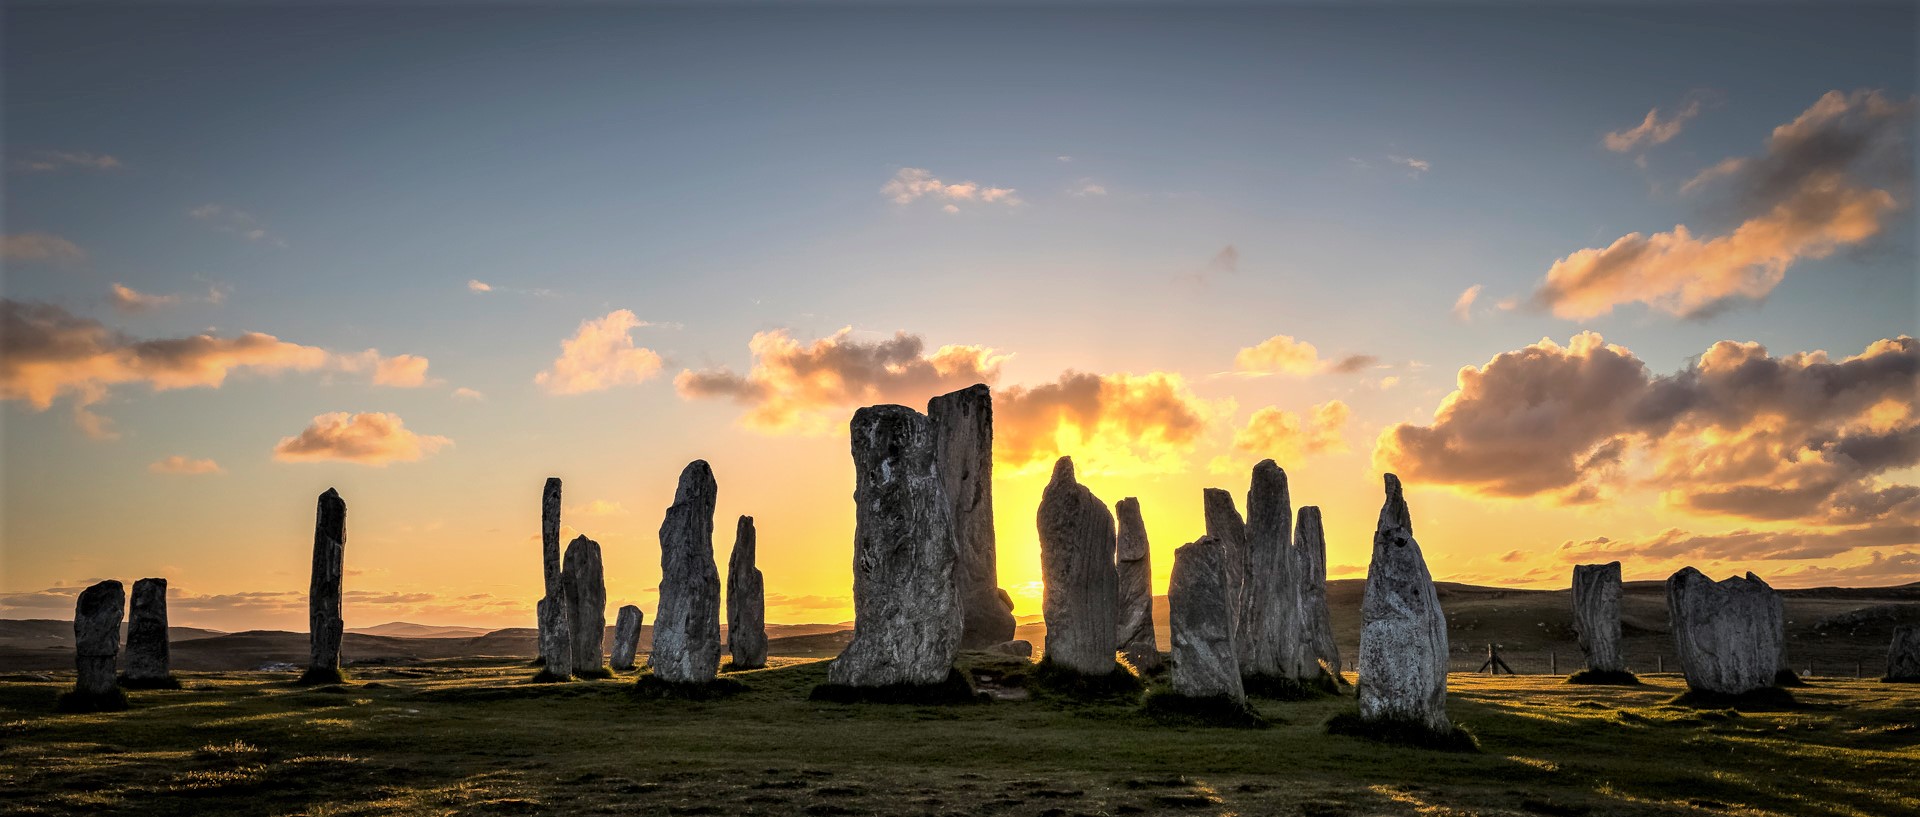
{"x": 1174, "y": 709}
{"x": 956, "y": 689}
{"x": 1405, "y": 733}
{"x": 1619, "y": 678}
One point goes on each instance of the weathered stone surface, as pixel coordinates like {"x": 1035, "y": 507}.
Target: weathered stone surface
{"x": 686, "y": 627}
{"x": 325, "y": 624}
{"x": 626, "y": 637}
{"x": 1596, "y": 615}
{"x": 1272, "y": 636}
{"x": 1310, "y": 540}
{"x": 1077, "y": 541}
{"x": 1403, "y": 636}
{"x": 583, "y": 585}
{"x": 1226, "y": 527}
{"x": 148, "y": 655}
{"x": 962, "y": 425}
{"x": 96, "y": 636}
{"x": 1903, "y": 655}
{"x": 552, "y": 618}
{"x": 906, "y": 591}
{"x": 1205, "y": 661}
{"x": 1727, "y": 633}
{"x": 746, "y": 601}
{"x": 1017, "y": 647}
{"x": 1134, "y": 575}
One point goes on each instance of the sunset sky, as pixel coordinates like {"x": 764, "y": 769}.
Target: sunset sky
{"x": 1625, "y": 283}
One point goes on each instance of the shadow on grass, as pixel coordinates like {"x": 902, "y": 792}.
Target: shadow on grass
{"x": 321, "y": 675}
{"x": 1278, "y": 688}
{"x": 1405, "y": 733}
{"x": 1173, "y": 709}
{"x": 1766, "y": 699}
{"x": 652, "y": 688}
{"x": 1050, "y": 680}
{"x": 956, "y": 689}
{"x": 1605, "y": 677}
{"x": 75, "y": 702}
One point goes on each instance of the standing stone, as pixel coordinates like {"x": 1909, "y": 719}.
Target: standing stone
{"x": 686, "y": 627}
{"x": 96, "y": 640}
{"x": 325, "y": 624}
{"x": 962, "y": 425}
{"x": 1205, "y": 662}
{"x": 1134, "y": 581}
{"x": 1903, "y": 655}
{"x": 746, "y": 601}
{"x": 626, "y": 637}
{"x": 906, "y": 590}
{"x": 1225, "y": 526}
{"x": 1727, "y": 633}
{"x": 1403, "y": 637}
{"x": 1077, "y": 543}
{"x": 1271, "y": 635}
{"x": 584, "y": 587}
{"x": 1596, "y": 615}
{"x": 148, "y": 660}
{"x": 1784, "y": 674}
{"x": 1311, "y": 541}
{"x": 554, "y": 633}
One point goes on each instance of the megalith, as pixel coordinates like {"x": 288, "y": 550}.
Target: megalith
{"x": 1077, "y": 541}
{"x": 1403, "y": 636}
{"x": 686, "y": 626}
{"x": 1205, "y": 661}
{"x": 554, "y": 635}
{"x": 1903, "y": 655}
{"x": 746, "y": 601}
{"x": 626, "y": 637}
{"x": 1310, "y": 539}
{"x": 325, "y": 622}
{"x": 149, "y": 662}
{"x": 1727, "y": 633}
{"x": 1596, "y": 616}
{"x": 584, "y": 586}
{"x": 1134, "y": 583}
{"x": 96, "y": 648}
{"x": 962, "y": 424}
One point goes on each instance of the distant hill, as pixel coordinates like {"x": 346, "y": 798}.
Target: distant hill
{"x": 402, "y": 629}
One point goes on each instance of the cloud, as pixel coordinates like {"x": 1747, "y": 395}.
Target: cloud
{"x": 48, "y": 161}
{"x": 1738, "y": 433}
{"x": 1463, "y": 305}
{"x": 809, "y": 387}
{"x": 1744, "y": 544}
{"x": 1087, "y": 187}
{"x": 1653, "y": 130}
{"x": 1109, "y": 424}
{"x": 178, "y": 464}
{"x": 911, "y": 184}
{"x": 599, "y": 356}
{"x": 238, "y": 222}
{"x": 465, "y": 393}
{"x": 476, "y": 285}
{"x": 598, "y": 507}
{"x": 128, "y": 300}
{"x": 367, "y": 438}
{"x": 1282, "y": 435}
{"x": 1821, "y": 184}
{"x": 1284, "y": 354}
{"x": 1414, "y": 166}
{"x": 40, "y": 247}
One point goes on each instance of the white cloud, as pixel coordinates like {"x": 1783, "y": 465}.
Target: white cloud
{"x": 238, "y": 222}
{"x": 1463, "y": 305}
{"x": 187, "y": 466}
{"x": 476, "y": 285}
{"x": 600, "y": 355}
{"x": 912, "y": 183}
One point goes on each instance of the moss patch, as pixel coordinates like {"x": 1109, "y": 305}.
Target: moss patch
{"x": 650, "y": 687}
{"x": 1173, "y": 709}
{"x": 1277, "y": 688}
{"x": 956, "y": 689}
{"x": 1405, "y": 733}
{"x": 1054, "y": 681}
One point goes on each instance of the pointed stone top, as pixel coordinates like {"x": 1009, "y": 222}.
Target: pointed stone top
{"x": 1062, "y": 471}
{"x": 161, "y": 582}
{"x": 581, "y": 538}
{"x": 1394, "y": 513}
{"x": 1266, "y": 463}
{"x": 695, "y": 480}
{"x": 330, "y": 494}
{"x": 1310, "y": 513}
{"x": 1132, "y": 503}
{"x": 1217, "y": 499}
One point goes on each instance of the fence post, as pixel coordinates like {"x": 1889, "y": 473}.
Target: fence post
{"x": 1659, "y": 663}
{"x": 1553, "y": 663}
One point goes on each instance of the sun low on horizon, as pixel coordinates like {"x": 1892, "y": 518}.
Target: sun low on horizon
{"x": 1594, "y": 288}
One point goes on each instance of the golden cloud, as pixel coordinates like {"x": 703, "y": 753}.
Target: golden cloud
{"x": 40, "y": 247}
{"x": 1283, "y": 354}
{"x": 599, "y": 356}
{"x": 1109, "y": 424}
{"x": 367, "y": 438}
{"x": 178, "y": 464}
{"x": 1282, "y": 436}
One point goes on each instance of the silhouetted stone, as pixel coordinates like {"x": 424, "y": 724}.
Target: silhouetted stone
{"x": 1077, "y": 541}
{"x": 1903, "y": 655}
{"x": 1727, "y": 633}
{"x": 96, "y": 648}
{"x": 325, "y": 622}
{"x": 554, "y": 634}
{"x": 1226, "y": 527}
{"x": 1278, "y": 648}
{"x": 556, "y": 645}
{"x": 583, "y": 584}
{"x": 962, "y": 424}
{"x": 1403, "y": 636}
{"x": 1596, "y": 615}
{"x": 1017, "y": 647}
{"x": 626, "y": 637}
{"x": 1784, "y": 675}
{"x": 1310, "y": 539}
{"x": 1205, "y": 661}
{"x": 686, "y": 627}
{"x": 149, "y": 663}
{"x": 746, "y": 601}
{"x": 1134, "y": 580}
{"x": 906, "y": 591}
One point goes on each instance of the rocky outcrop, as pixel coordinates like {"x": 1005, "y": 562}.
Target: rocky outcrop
{"x": 96, "y": 640}
{"x": 149, "y": 661}
{"x": 1726, "y": 633}
{"x": 554, "y": 635}
{"x": 686, "y": 627}
{"x": 1205, "y": 660}
{"x": 583, "y": 585}
{"x": 1596, "y": 615}
{"x": 1077, "y": 541}
{"x": 325, "y": 622}
{"x": 962, "y": 424}
{"x": 626, "y": 637}
{"x": 1903, "y": 655}
{"x": 746, "y": 601}
{"x": 1134, "y": 581}
{"x": 906, "y": 594}
{"x": 1310, "y": 539}
{"x": 1403, "y": 636}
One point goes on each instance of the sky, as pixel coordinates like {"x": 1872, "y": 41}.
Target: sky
{"x": 1597, "y": 281}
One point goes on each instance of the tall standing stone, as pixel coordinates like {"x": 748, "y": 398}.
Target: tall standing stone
{"x": 96, "y": 641}
{"x": 1596, "y": 615}
{"x": 554, "y": 634}
{"x": 1077, "y": 543}
{"x": 962, "y": 425}
{"x": 1310, "y": 539}
{"x": 1226, "y": 527}
{"x": 1403, "y": 637}
{"x": 626, "y": 637}
{"x": 149, "y": 663}
{"x": 583, "y": 585}
{"x": 906, "y": 589}
{"x": 1134, "y": 582}
{"x": 1271, "y": 636}
{"x": 1903, "y": 655}
{"x": 1205, "y": 661}
{"x": 325, "y": 624}
{"x": 1727, "y": 633}
{"x": 686, "y": 627}
{"x": 746, "y": 600}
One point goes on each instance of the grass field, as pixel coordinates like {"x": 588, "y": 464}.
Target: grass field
{"x": 471, "y": 737}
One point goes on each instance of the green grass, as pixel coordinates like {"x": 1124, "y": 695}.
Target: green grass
{"x": 1605, "y": 677}
{"x": 476, "y": 737}
{"x": 1173, "y": 709}
{"x": 322, "y": 675}
{"x": 1404, "y": 733}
